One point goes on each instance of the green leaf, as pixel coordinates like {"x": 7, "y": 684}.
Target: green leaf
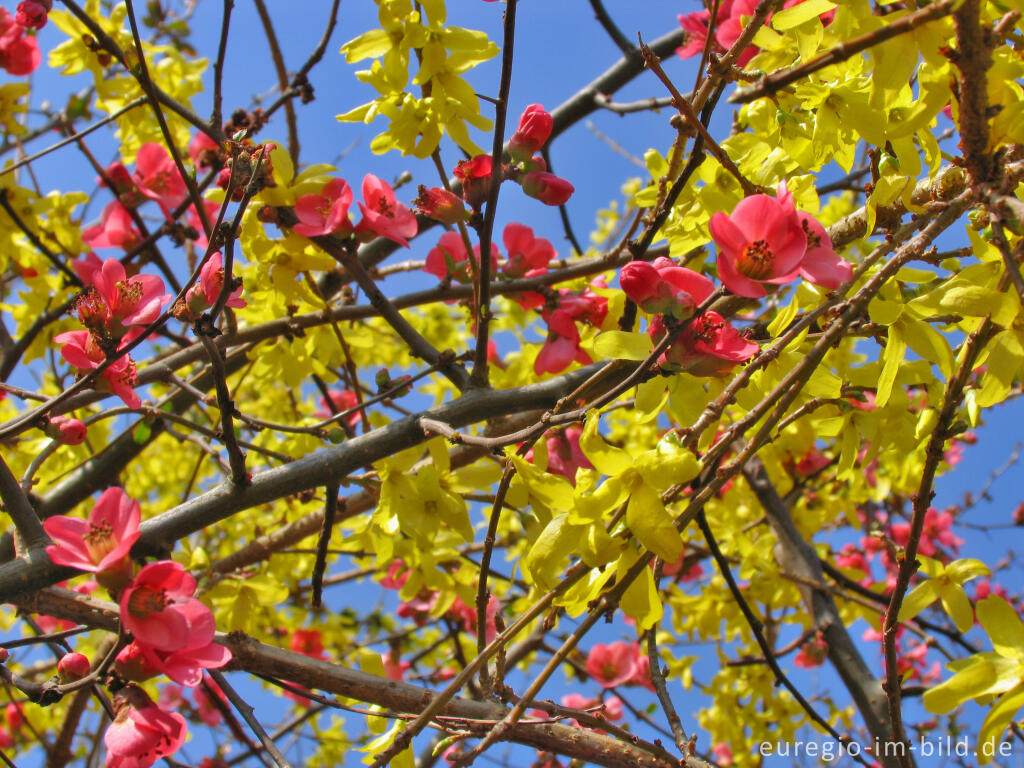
{"x": 141, "y": 433}
{"x": 793, "y": 17}
{"x": 651, "y": 523}
{"x": 1003, "y": 626}
{"x": 620, "y": 345}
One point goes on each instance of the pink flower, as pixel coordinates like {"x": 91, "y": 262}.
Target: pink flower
{"x": 203, "y": 150}
{"x": 32, "y": 13}
{"x": 475, "y": 176}
{"x": 820, "y": 265}
{"x": 308, "y": 642}
{"x": 708, "y": 346}
{"x": 66, "y": 430}
{"x": 86, "y": 267}
{"x": 206, "y": 698}
{"x": 562, "y": 345}
{"x": 101, "y": 542}
{"x": 696, "y": 26}
{"x": 326, "y": 213}
{"x": 812, "y": 463}
{"x": 14, "y": 716}
{"x": 936, "y": 531}
{"x": 397, "y": 575}
{"x": 342, "y": 400}
{"x": 525, "y": 252}
{"x": 19, "y": 53}
{"x": 731, "y": 24}
{"x": 440, "y": 204}
{"x": 203, "y": 295}
{"x": 158, "y": 607}
{"x": 383, "y": 215}
{"x": 548, "y": 188}
{"x": 136, "y": 300}
{"x": 564, "y": 453}
{"x": 73, "y": 666}
{"x": 186, "y": 664}
{"x": 664, "y": 287}
{"x": 157, "y": 177}
{"x": 812, "y": 653}
{"x": 141, "y": 732}
{"x": 613, "y": 664}
{"x": 722, "y": 754}
{"x": 762, "y": 241}
{"x": 394, "y": 667}
{"x": 534, "y": 129}
{"x": 449, "y": 260}
{"x": 115, "y": 229}
{"x": 123, "y": 185}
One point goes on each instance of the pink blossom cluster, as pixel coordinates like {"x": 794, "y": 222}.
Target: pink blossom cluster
{"x": 204, "y": 294}
{"x": 326, "y": 212}
{"x": 563, "y": 311}
{"x": 619, "y": 663}
{"x": 172, "y": 630}
{"x": 19, "y": 51}
{"x": 526, "y": 168}
{"x": 115, "y": 308}
{"x": 731, "y": 18}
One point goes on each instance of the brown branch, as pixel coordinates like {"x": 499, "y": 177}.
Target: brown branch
{"x": 973, "y": 58}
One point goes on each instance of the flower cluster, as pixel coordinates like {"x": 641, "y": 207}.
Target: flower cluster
{"x": 563, "y": 311}
{"x": 526, "y": 169}
{"x": 326, "y": 213}
{"x": 172, "y": 631}
{"x": 203, "y": 295}
{"x": 115, "y": 309}
{"x": 19, "y": 52}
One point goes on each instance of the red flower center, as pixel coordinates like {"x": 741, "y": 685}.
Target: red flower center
{"x": 756, "y": 260}
{"x": 147, "y": 600}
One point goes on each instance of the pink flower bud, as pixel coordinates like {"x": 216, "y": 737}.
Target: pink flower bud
{"x": 66, "y": 430}
{"x": 72, "y": 667}
{"x": 440, "y": 204}
{"x": 32, "y": 13}
{"x": 534, "y": 129}
{"x": 548, "y": 188}
{"x": 639, "y": 281}
{"x": 475, "y": 175}
{"x": 15, "y": 717}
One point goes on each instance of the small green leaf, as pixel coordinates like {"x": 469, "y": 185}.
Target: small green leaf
{"x": 141, "y": 433}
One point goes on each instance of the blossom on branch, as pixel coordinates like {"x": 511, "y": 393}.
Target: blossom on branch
{"x": 141, "y": 733}
{"x": 325, "y": 213}
{"x": 383, "y": 215}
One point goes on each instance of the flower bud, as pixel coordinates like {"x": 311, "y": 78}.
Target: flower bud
{"x": 66, "y": 430}
{"x": 534, "y": 129}
{"x": 548, "y": 188}
{"x": 475, "y": 175}
{"x": 441, "y": 205}
{"x": 15, "y": 717}
{"x": 4, "y": 655}
{"x": 72, "y": 667}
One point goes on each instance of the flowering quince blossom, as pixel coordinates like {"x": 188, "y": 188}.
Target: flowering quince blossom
{"x": 141, "y": 733}
{"x": 708, "y": 346}
{"x": 100, "y": 543}
{"x": 308, "y": 642}
{"x": 73, "y": 666}
{"x": 203, "y": 295}
{"x": 812, "y": 653}
{"x": 383, "y": 215}
{"x": 761, "y": 242}
{"x": 342, "y": 400}
{"x": 723, "y": 754}
{"x": 32, "y": 13}
{"x": 548, "y": 188}
{"x": 19, "y": 53}
{"x": 935, "y": 532}
{"x": 475, "y": 177}
{"x": 562, "y": 345}
{"x": 535, "y": 126}
{"x": 564, "y": 453}
{"x": 66, "y": 430}
{"x": 613, "y": 664}
{"x": 440, "y": 205}
{"x": 123, "y": 185}
{"x": 130, "y": 301}
{"x": 158, "y": 607}
{"x": 157, "y": 177}
{"x": 80, "y": 349}
{"x": 525, "y": 252}
{"x": 394, "y": 667}
{"x": 115, "y": 230}
{"x": 664, "y": 287}
{"x": 820, "y": 265}
{"x": 448, "y": 259}
{"x": 185, "y": 665}
{"x": 203, "y": 151}
{"x": 325, "y": 213}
